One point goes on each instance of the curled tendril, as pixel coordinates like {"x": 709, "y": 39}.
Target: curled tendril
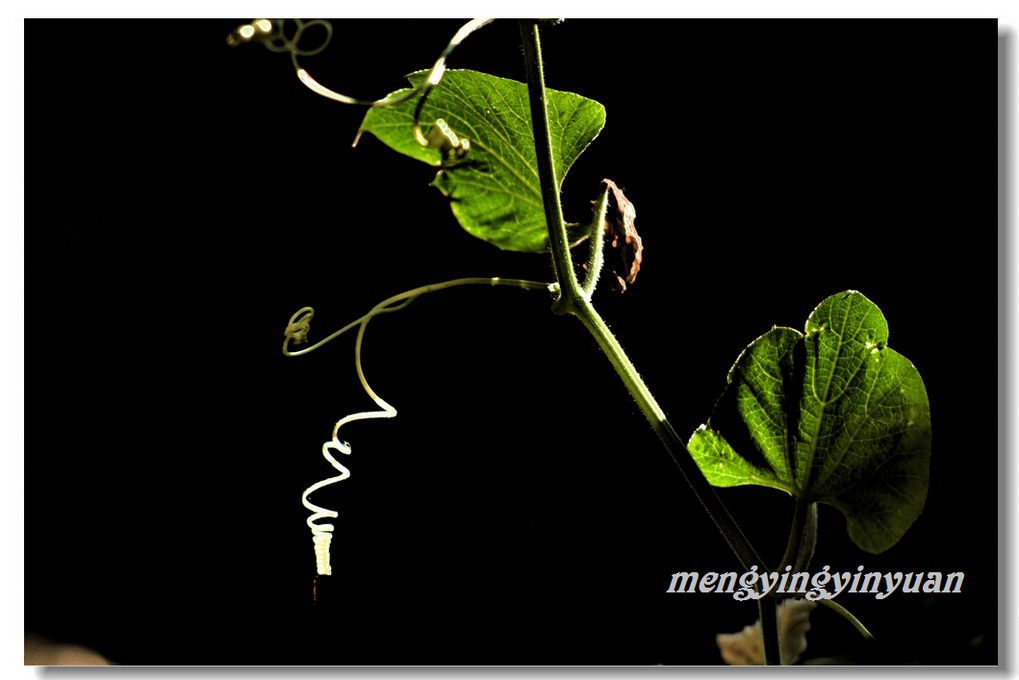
{"x": 297, "y": 331}
{"x": 269, "y": 32}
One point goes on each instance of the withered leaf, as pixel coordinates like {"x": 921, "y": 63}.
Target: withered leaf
{"x": 624, "y": 237}
{"x": 747, "y": 646}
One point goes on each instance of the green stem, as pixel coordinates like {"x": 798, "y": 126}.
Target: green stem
{"x": 794, "y": 547}
{"x": 572, "y": 300}
{"x": 596, "y": 241}
{"x": 831, "y": 604}
{"x": 562, "y": 263}
{"x": 809, "y": 542}
{"x": 769, "y": 630}
{"x": 583, "y": 309}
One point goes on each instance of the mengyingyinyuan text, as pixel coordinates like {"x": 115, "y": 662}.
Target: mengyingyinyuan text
{"x": 825, "y": 584}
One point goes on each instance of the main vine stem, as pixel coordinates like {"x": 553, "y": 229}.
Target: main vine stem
{"x": 572, "y": 301}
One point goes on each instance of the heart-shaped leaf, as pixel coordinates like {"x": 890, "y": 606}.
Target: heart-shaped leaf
{"x": 833, "y": 416}
{"x": 494, "y": 193}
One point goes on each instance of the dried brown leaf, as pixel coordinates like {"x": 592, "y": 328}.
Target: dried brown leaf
{"x": 624, "y": 237}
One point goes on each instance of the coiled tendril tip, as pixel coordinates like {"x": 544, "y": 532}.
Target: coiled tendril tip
{"x": 269, "y": 32}
{"x": 298, "y": 330}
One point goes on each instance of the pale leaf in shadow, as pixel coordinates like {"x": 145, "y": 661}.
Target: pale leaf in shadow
{"x": 746, "y": 648}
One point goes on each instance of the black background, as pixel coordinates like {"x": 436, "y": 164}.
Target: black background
{"x": 183, "y": 199}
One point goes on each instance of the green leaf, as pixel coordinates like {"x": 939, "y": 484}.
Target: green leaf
{"x": 495, "y": 193}
{"x": 833, "y": 416}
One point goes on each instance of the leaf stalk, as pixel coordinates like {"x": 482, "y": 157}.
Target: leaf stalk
{"x": 797, "y": 536}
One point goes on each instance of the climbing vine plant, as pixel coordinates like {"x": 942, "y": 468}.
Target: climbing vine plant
{"x": 829, "y": 415}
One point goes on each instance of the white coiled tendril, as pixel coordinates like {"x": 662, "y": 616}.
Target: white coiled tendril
{"x": 297, "y": 331}
{"x": 269, "y": 32}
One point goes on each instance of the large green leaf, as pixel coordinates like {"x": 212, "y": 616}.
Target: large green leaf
{"x": 495, "y": 194}
{"x": 833, "y": 416}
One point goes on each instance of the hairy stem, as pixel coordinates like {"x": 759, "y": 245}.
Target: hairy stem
{"x": 572, "y": 300}
{"x": 635, "y": 385}
{"x": 596, "y": 240}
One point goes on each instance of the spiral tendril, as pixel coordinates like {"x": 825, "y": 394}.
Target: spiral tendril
{"x": 297, "y": 331}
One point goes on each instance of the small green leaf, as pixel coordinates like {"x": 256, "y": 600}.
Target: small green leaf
{"x": 495, "y": 194}
{"x": 834, "y": 416}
